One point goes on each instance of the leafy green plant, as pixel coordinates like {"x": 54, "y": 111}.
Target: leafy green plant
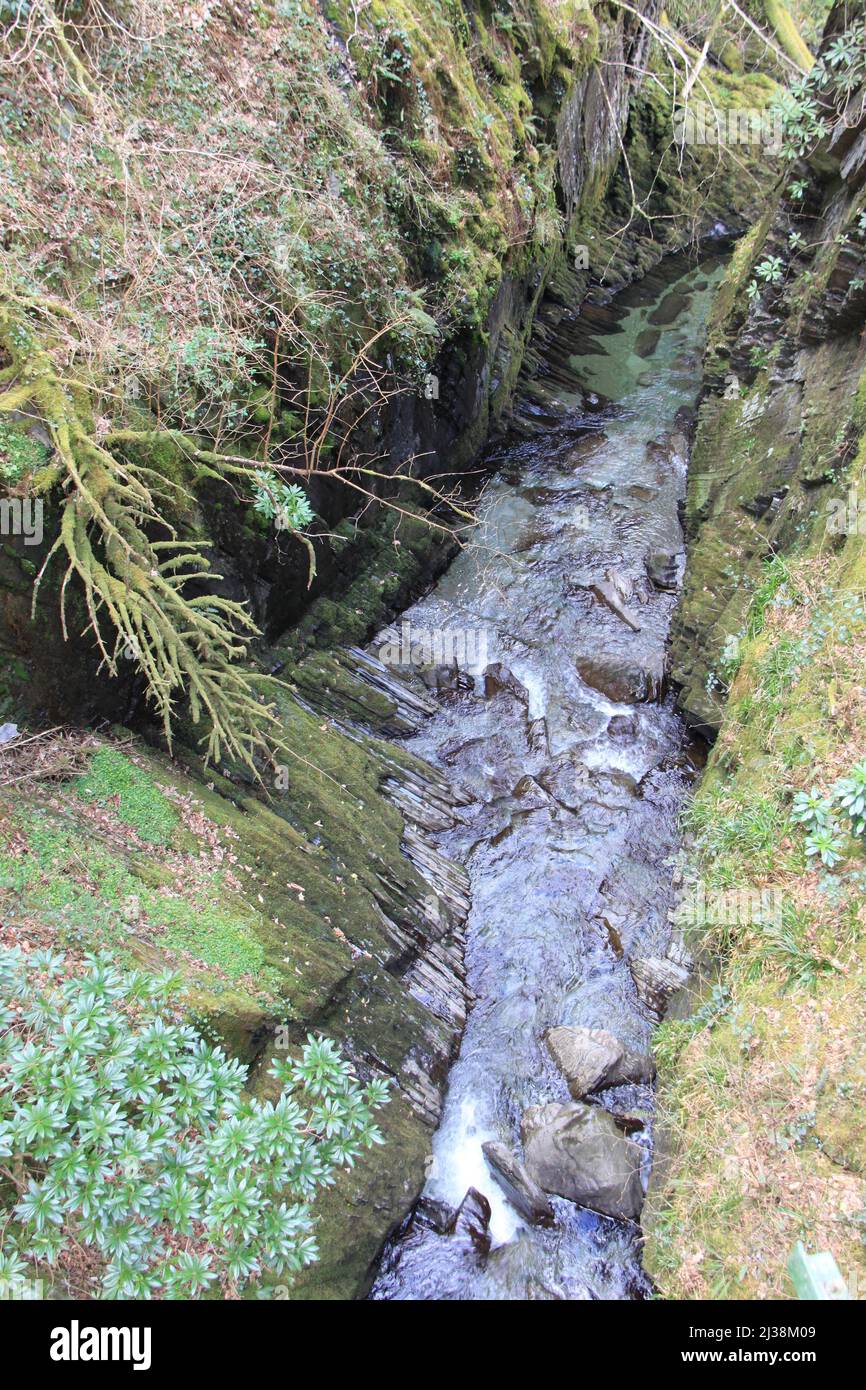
{"x": 285, "y": 503}
{"x": 826, "y": 842}
{"x": 123, "y": 1131}
{"x": 811, "y": 809}
{"x": 769, "y": 271}
{"x": 850, "y": 793}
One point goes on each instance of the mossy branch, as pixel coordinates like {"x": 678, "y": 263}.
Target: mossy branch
{"x": 186, "y": 645}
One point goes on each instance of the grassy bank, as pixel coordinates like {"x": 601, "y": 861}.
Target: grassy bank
{"x": 762, "y": 1088}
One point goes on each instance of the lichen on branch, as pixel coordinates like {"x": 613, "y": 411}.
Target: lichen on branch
{"x": 138, "y": 578}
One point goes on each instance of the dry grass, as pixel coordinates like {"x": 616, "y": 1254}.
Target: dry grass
{"x": 51, "y": 756}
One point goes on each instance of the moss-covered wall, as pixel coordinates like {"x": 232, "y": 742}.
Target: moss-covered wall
{"x": 761, "y": 1071}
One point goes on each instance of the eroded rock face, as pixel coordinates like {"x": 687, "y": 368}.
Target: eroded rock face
{"x": 522, "y": 1191}
{"x": 592, "y": 1058}
{"x": 578, "y": 1152}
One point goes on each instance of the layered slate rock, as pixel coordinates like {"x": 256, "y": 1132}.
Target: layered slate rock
{"x": 657, "y": 979}
{"x": 578, "y": 1152}
{"x": 472, "y": 1221}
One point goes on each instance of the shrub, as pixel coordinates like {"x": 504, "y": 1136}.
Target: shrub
{"x": 285, "y": 503}
{"x": 136, "y": 1165}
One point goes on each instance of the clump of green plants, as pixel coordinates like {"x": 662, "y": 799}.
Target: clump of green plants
{"x": 769, "y": 271}
{"x": 817, "y": 813}
{"x": 805, "y": 109}
{"x": 850, "y": 795}
{"x": 20, "y": 454}
{"x": 123, "y": 1131}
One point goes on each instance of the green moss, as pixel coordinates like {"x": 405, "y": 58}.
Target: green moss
{"x": 20, "y": 453}
{"x": 113, "y": 780}
{"x": 226, "y": 940}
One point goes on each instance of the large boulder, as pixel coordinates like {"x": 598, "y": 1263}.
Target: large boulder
{"x": 626, "y": 681}
{"x": 591, "y": 1059}
{"x": 522, "y": 1192}
{"x": 576, "y": 1151}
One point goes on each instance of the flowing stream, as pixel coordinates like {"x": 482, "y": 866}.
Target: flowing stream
{"x": 578, "y": 764}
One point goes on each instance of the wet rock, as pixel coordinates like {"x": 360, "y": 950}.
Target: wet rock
{"x": 662, "y": 570}
{"x": 613, "y": 928}
{"x": 577, "y": 1152}
{"x": 656, "y": 978}
{"x": 624, "y": 726}
{"x": 522, "y": 1192}
{"x": 631, "y": 1121}
{"x": 445, "y": 679}
{"x": 591, "y": 1059}
{"x": 531, "y": 795}
{"x": 434, "y": 1215}
{"x": 624, "y": 685}
{"x": 537, "y": 737}
{"x": 669, "y": 309}
{"x": 641, "y": 492}
{"x": 611, "y": 591}
{"x": 498, "y": 677}
{"x": 472, "y": 1221}
{"x": 679, "y": 445}
{"x": 583, "y": 1055}
{"x": 647, "y": 342}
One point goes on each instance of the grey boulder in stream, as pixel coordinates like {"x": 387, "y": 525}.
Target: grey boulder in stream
{"x": 591, "y": 1059}
{"x": 577, "y": 1151}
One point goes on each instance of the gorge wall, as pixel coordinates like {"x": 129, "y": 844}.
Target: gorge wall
{"x": 432, "y": 166}
{"x": 762, "y": 1072}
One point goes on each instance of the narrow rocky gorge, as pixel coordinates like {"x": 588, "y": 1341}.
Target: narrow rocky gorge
{"x": 574, "y": 763}
{"x": 524, "y": 436}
